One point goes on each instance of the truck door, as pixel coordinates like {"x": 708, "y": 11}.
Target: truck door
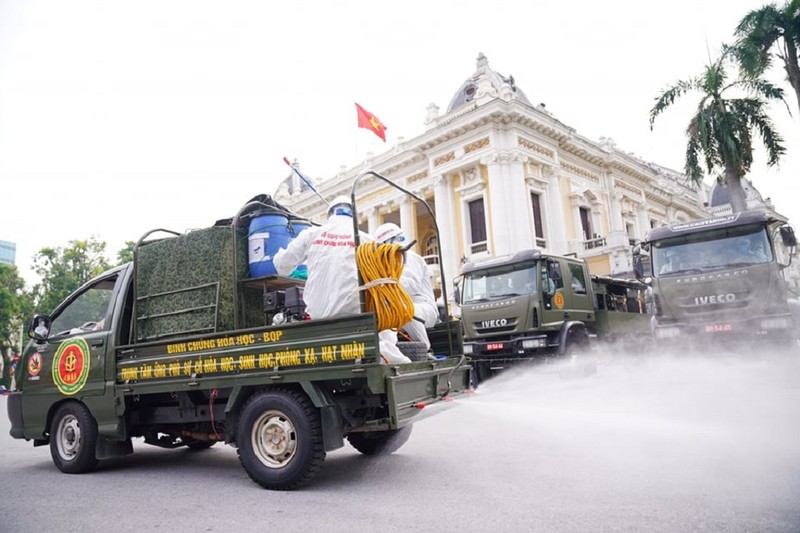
{"x": 578, "y": 295}
{"x": 73, "y": 359}
{"x": 565, "y": 291}
{"x": 554, "y": 301}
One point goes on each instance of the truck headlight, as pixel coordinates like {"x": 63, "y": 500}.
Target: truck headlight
{"x": 468, "y": 349}
{"x": 667, "y": 332}
{"x": 528, "y": 344}
{"x": 780, "y": 322}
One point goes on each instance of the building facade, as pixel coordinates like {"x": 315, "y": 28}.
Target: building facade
{"x": 502, "y": 175}
{"x": 8, "y": 253}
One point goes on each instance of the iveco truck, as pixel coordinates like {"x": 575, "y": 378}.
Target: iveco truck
{"x": 531, "y": 305}
{"x": 720, "y": 280}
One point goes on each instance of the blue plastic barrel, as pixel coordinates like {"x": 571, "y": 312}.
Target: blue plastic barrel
{"x": 267, "y": 234}
{"x": 296, "y": 225}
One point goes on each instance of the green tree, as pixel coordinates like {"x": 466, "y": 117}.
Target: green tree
{"x": 125, "y": 255}
{"x": 14, "y": 306}
{"x": 63, "y": 270}
{"x": 770, "y": 32}
{"x": 721, "y": 130}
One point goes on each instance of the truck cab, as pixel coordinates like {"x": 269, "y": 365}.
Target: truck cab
{"x": 524, "y": 304}
{"x": 720, "y": 280}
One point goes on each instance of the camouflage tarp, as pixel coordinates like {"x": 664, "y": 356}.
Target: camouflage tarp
{"x": 186, "y": 284}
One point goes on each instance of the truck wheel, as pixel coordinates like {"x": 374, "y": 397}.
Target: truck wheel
{"x": 379, "y": 442}
{"x": 280, "y": 439}
{"x": 577, "y": 345}
{"x": 578, "y": 365}
{"x": 481, "y": 371}
{"x": 73, "y": 437}
{"x": 416, "y": 351}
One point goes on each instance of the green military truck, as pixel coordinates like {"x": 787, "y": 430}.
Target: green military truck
{"x": 720, "y": 281}
{"x": 530, "y": 305}
{"x": 179, "y": 348}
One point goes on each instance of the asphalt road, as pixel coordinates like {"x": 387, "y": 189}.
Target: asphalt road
{"x": 667, "y": 443}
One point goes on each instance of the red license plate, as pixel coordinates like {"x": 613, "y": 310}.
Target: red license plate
{"x": 718, "y": 328}
{"x": 492, "y": 346}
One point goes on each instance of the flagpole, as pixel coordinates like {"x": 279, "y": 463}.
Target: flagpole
{"x": 305, "y": 180}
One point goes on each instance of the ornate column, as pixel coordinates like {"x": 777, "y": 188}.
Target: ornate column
{"x": 408, "y": 222}
{"x": 556, "y": 214}
{"x": 509, "y": 199}
{"x": 617, "y": 223}
{"x": 446, "y": 221}
{"x": 372, "y": 220}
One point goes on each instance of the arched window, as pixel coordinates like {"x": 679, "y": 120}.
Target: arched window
{"x": 431, "y": 250}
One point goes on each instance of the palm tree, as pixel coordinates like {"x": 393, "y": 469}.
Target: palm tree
{"x": 721, "y": 130}
{"x": 770, "y": 32}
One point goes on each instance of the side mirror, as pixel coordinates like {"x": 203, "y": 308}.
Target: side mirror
{"x": 39, "y": 327}
{"x": 638, "y": 266}
{"x": 457, "y": 289}
{"x": 637, "y": 250}
{"x": 788, "y": 237}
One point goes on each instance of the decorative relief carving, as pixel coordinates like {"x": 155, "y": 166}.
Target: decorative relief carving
{"x": 416, "y": 177}
{"x": 477, "y": 145}
{"x": 472, "y": 182}
{"x": 622, "y": 185}
{"x": 444, "y": 159}
{"x": 535, "y": 147}
{"x": 442, "y": 180}
{"x": 580, "y": 172}
{"x": 373, "y": 195}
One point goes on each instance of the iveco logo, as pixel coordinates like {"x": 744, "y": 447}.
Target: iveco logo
{"x": 495, "y": 304}
{"x": 500, "y": 322}
{"x": 714, "y": 277}
{"x": 714, "y": 299}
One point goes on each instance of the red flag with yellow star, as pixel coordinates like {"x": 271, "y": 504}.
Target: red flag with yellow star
{"x": 369, "y": 121}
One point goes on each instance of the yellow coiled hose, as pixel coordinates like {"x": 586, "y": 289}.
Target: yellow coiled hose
{"x": 381, "y": 266}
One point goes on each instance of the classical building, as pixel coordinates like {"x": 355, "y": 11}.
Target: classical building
{"x": 502, "y": 175}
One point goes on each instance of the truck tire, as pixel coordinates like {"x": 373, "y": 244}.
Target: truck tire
{"x": 279, "y": 439}
{"x": 578, "y": 365}
{"x": 481, "y": 371}
{"x": 577, "y": 344}
{"x": 73, "y": 438}
{"x": 416, "y": 351}
{"x": 380, "y": 442}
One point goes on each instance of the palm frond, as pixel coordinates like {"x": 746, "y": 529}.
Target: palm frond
{"x": 668, "y": 97}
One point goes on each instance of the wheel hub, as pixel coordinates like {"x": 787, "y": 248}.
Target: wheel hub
{"x": 274, "y": 439}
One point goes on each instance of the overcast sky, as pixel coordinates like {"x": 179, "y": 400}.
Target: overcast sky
{"x": 120, "y": 117}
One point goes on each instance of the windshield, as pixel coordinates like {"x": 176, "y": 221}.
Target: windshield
{"x": 499, "y": 282}
{"x": 712, "y": 250}
{"x": 87, "y": 312}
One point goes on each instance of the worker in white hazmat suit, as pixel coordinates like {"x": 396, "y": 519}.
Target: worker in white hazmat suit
{"x": 329, "y": 253}
{"x": 416, "y": 281}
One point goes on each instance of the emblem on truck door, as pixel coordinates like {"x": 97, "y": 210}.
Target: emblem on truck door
{"x": 71, "y": 366}
{"x": 558, "y": 300}
{"x": 34, "y": 366}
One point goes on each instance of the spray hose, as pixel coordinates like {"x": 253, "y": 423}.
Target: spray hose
{"x": 381, "y": 266}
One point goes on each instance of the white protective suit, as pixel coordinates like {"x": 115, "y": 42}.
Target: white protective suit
{"x": 416, "y": 281}
{"x": 328, "y": 251}
{"x": 331, "y": 289}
